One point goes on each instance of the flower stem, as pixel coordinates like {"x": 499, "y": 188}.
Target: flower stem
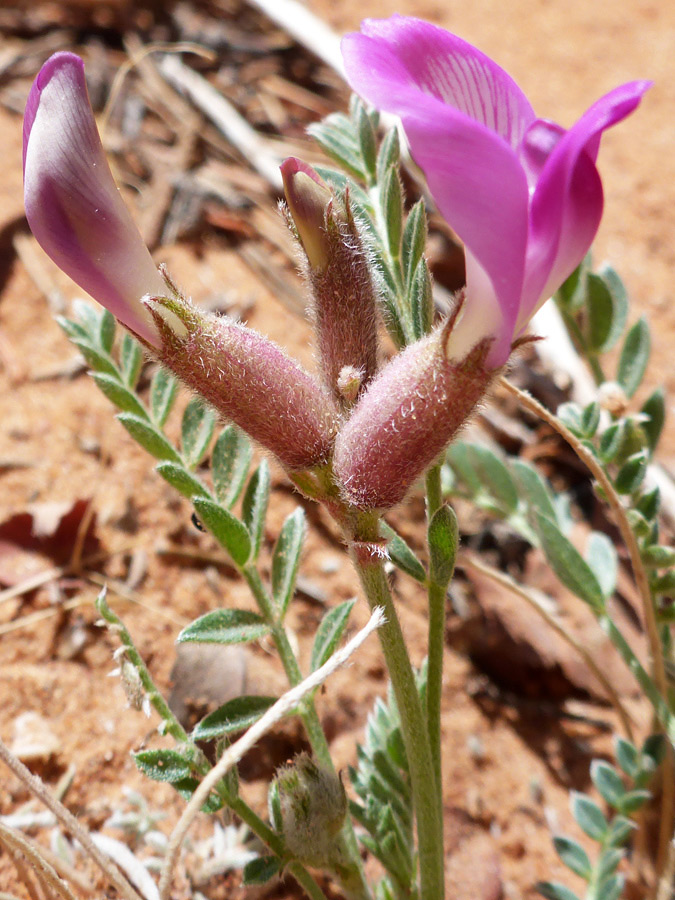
{"x": 426, "y": 794}
{"x": 308, "y": 713}
{"x": 436, "y": 641}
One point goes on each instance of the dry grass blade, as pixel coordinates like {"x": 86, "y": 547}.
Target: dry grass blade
{"x": 237, "y": 750}
{"x": 307, "y": 29}
{"x": 233, "y": 125}
{"x": 69, "y": 822}
{"x": 45, "y": 873}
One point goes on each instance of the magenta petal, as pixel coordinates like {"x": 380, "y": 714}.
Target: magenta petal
{"x": 480, "y": 187}
{"x": 72, "y": 203}
{"x": 567, "y": 203}
{"x": 395, "y": 62}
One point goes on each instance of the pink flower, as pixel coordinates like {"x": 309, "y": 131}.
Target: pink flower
{"x": 72, "y": 204}
{"x": 521, "y": 192}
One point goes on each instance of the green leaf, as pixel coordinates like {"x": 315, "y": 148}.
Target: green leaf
{"x": 574, "y": 856}
{"x": 182, "y": 480}
{"x": 620, "y": 830}
{"x": 627, "y": 756}
{"x": 118, "y": 394}
{"x": 655, "y": 408}
{"x": 389, "y": 155}
{"x": 599, "y": 313}
{"x": 608, "y": 782}
{"x": 634, "y": 357}
{"x": 656, "y": 556}
{"x": 573, "y": 290}
{"x": 254, "y": 506}
{"x": 274, "y": 806}
{"x": 236, "y": 715}
{"x": 631, "y": 474}
{"x": 568, "y": 564}
{"x": 336, "y": 138}
{"x": 443, "y": 538}
{"x": 554, "y": 891}
{"x": 570, "y": 415}
{"x": 230, "y": 462}
{"x": 611, "y": 441}
{"x": 261, "y": 870}
{"x": 367, "y": 141}
{"x": 197, "y": 428}
{"x": 163, "y": 390}
{"x": 654, "y": 751}
{"x": 602, "y": 559}
{"x": 414, "y": 240}
{"x": 226, "y": 528}
{"x": 186, "y": 788}
{"x": 421, "y": 298}
{"x": 89, "y": 318}
{"x": 131, "y": 360}
{"x": 225, "y": 626}
{"x": 533, "y": 489}
{"x": 590, "y": 419}
{"x": 286, "y": 558}
{"x": 329, "y": 633}
{"x": 401, "y": 554}
{"x": 664, "y": 584}
{"x": 648, "y": 504}
{"x": 620, "y": 303}
{"x": 607, "y": 863}
{"x": 163, "y": 765}
{"x": 97, "y": 360}
{"x": 149, "y": 438}
{"x": 632, "y": 801}
{"x": 611, "y": 888}
{"x": 589, "y": 816}
{"x": 392, "y": 210}
{"x": 106, "y": 332}
{"x": 494, "y": 475}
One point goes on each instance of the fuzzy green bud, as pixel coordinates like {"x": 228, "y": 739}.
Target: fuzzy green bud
{"x": 344, "y": 301}
{"x": 313, "y": 808}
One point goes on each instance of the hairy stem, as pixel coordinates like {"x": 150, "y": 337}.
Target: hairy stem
{"x": 436, "y": 640}
{"x": 426, "y": 794}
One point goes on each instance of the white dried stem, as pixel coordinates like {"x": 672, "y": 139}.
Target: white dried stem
{"x": 44, "y": 872}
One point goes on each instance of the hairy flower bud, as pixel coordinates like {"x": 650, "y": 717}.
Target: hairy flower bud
{"x": 406, "y": 418}
{"x": 313, "y": 809}
{"x": 343, "y": 296}
{"x": 248, "y": 379}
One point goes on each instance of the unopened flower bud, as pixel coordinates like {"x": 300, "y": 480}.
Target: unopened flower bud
{"x": 313, "y": 809}
{"x": 343, "y": 296}
{"x": 406, "y": 418}
{"x": 248, "y": 379}
{"x": 349, "y": 383}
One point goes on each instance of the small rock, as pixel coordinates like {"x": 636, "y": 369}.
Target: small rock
{"x": 33, "y": 738}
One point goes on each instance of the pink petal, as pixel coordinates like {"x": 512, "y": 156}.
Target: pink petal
{"x": 568, "y": 200}
{"x": 72, "y": 204}
{"x": 393, "y": 61}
